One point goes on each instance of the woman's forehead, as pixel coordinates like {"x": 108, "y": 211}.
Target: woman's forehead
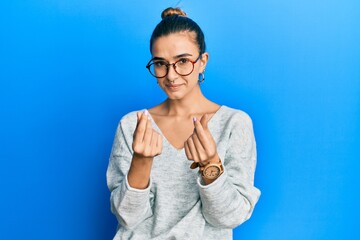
{"x": 174, "y": 44}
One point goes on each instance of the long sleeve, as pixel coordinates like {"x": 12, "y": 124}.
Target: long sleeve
{"x": 130, "y": 206}
{"x": 230, "y": 200}
{"x": 176, "y": 205}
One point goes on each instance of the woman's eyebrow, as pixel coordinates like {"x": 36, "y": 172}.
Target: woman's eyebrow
{"x": 183, "y": 55}
{"x": 176, "y": 57}
{"x": 157, "y": 58}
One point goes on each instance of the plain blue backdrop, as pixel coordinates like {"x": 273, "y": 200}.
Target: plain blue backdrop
{"x": 70, "y": 69}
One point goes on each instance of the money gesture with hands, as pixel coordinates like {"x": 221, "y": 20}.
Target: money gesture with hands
{"x": 147, "y": 142}
{"x": 200, "y": 147}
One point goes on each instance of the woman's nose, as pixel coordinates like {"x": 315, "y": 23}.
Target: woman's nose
{"x": 172, "y": 74}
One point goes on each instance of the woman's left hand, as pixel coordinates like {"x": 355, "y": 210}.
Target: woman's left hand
{"x": 200, "y": 147}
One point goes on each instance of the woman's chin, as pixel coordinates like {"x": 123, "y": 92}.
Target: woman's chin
{"x": 173, "y": 96}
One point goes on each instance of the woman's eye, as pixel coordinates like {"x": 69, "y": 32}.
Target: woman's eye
{"x": 159, "y": 64}
{"x": 183, "y": 61}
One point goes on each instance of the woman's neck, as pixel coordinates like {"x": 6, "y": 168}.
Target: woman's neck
{"x": 193, "y": 104}
{"x": 186, "y": 106}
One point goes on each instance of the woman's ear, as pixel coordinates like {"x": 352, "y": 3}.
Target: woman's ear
{"x": 203, "y": 61}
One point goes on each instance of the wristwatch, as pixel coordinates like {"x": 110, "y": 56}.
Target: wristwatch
{"x": 212, "y": 170}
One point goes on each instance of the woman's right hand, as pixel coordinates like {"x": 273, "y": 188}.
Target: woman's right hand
{"x": 147, "y": 142}
{"x": 146, "y": 145}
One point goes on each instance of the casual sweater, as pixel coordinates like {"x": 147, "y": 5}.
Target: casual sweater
{"x": 176, "y": 204}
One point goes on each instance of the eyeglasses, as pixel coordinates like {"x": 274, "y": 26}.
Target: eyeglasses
{"x": 160, "y": 68}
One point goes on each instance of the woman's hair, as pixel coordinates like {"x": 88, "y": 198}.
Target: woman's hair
{"x": 175, "y": 20}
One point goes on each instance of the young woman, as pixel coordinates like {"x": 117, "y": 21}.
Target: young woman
{"x": 183, "y": 169}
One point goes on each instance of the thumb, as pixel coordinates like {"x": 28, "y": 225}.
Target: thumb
{"x": 139, "y": 114}
{"x": 204, "y": 120}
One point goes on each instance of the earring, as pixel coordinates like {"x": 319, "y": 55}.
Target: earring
{"x": 201, "y": 77}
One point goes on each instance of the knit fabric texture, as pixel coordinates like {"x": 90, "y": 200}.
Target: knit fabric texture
{"x": 176, "y": 204}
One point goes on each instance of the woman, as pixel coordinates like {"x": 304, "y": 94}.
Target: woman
{"x": 155, "y": 191}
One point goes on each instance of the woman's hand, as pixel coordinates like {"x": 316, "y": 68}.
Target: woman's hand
{"x": 200, "y": 146}
{"x": 147, "y": 142}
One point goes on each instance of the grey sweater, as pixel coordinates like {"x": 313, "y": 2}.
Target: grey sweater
{"x": 176, "y": 204}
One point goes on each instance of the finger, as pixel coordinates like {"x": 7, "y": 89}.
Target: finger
{"x": 192, "y": 149}
{"x": 204, "y": 121}
{"x": 148, "y": 132}
{"x": 199, "y": 148}
{"x": 153, "y": 141}
{"x": 187, "y": 151}
{"x": 153, "y": 146}
{"x": 138, "y": 114}
{"x": 140, "y": 128}
{"x": 202, "y": 135}
{"x": 159, "y": 144}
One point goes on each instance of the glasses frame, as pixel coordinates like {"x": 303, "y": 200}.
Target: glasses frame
{"x": 173, "y": 64}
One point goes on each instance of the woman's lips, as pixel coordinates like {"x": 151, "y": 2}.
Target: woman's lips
{"x": 173, "y": 87}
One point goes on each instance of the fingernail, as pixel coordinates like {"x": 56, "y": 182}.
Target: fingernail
{"x": 147, "y": 114}
{"x": 194, "y": 119}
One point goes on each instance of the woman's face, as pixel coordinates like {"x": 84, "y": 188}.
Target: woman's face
{"x": 172, "y": 48}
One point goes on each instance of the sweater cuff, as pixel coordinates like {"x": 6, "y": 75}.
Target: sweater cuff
{"x": 128, "y": 187}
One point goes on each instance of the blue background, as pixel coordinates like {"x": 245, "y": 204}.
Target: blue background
{"x": 70, "y": 69}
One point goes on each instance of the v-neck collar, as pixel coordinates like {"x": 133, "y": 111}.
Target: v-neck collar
{"x": 166, "y": 141}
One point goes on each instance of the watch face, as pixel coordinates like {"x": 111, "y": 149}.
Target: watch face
{"x": 211, "y": 172}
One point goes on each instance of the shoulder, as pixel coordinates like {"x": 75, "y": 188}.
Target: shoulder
{"x": 129, "y": 117}
{"x": 234, "y": 116}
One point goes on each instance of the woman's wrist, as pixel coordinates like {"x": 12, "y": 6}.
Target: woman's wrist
{"x": 139, "y": 172}
{"x": 211, "y": 171}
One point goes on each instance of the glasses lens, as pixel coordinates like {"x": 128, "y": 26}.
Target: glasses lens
{"x": 158, "y": 69}
{"x": 184, "y": 67}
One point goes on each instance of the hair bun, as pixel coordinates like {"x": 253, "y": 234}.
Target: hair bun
{"x": 172, "y": 11}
